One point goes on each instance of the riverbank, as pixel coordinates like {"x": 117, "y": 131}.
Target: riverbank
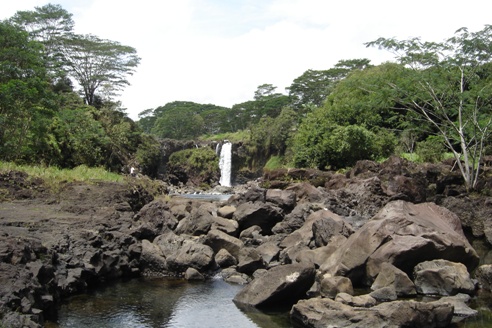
{"x": 64, "y": 243}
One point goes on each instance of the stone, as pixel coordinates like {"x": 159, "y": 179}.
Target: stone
{"x": 484, "y": 276}
{"x": 220, "y": 240}
{"x": 364, "y": 301}
{"x": 285, "y": 199}
{"x": 392, "y": 276}
{"x": 265, "y": 215}
{"x": 325, "y": 312}
{"x": 224, "y": 259}
{"x": 191, "y": 254}
{"x": 404, "y": 235}
{"x": 249, "y": 260}
{"x": 281, "y": 285}
{"x": 384, "y": 294}
{"x": 226, "y": 211}
{"x": 193, "y": 274}
{"x": 442, "y": 277}
{"x": 331, "y": 286}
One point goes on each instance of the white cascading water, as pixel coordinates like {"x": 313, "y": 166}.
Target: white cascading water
{"x": 225, "y": 164}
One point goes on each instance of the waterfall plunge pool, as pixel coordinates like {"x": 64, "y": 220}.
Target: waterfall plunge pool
{"x": 163, "y": 302}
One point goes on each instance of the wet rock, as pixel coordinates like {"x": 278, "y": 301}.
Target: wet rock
{"x": 363, "y": 301}
{"x": 384, "y": 294}
{"x": 460, "y": 304}
{"x": 193, "y": 274}
{"x": 441, "y": 277}
{"x": 284, "y": 284}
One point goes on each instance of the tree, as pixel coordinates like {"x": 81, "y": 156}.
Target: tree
{"x": 25, "y": 97}
{"x": 48, "y": 24}
{"x": 313, "y": 86}
{"x": 451, "y": 90}
{"x": 95, "y": 63}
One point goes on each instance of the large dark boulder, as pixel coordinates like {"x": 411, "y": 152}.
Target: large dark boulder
{"x": 403, "y": 234}
{"x": 281, "y": 285}
{"x": 264, "y": 215}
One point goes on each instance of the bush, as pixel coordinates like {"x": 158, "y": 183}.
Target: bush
{"x": 431, "y": 149}
{"x": 198, "y": 166}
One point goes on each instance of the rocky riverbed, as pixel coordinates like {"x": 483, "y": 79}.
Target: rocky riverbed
{"x": 303, "y": 239}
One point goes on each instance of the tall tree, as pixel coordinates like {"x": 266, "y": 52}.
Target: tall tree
{"x": 452, "y": 90}
{"x": 48, "y": 24}
{"x": 313, "y": 86}
{"x": 24, "y": 95}
{"x": 96, "y": 63}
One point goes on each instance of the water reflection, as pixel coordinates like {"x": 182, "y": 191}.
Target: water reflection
{"x": 167, "y": 303}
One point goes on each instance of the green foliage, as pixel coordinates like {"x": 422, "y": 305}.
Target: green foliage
{"x": 431, "y": 149}
{"x": 275, "y": 162}
{"x": 148, "y": 156}
{"x": 199, "y": 165}
{"x": 320, "y": 143}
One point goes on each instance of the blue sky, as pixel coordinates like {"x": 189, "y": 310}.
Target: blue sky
{"x": 220, "y": 51}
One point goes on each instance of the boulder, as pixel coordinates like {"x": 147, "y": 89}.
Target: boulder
{"x": 392, "y": 276}
{"x": 190, "y": 254}
{"x": 281, "y": 285}
{"x": 249, "y": 260}
{"x": 220, "y": 240}
{"x": 460, "y": 304}
{"x": 152, "y": 220}
{"x": 327, "y": 226}
{"x": 285, "y": 199}
{"x": 228, "y": 226}
{"x": 331, "y": 286}
{"x": 152, "y": 258}
{"x": 403, "y": 234}
{"x": 441, "y": 277}
{"x": 226, "y": 211}
{"x": 484, "y": 276}
{"x": 325, "y": 312}
{"x": 197, "y": 223}
{"x": 261, "y": 214}
{"x": 269, "y": 251}
{"x": 384, "y": 294}
{"x": 306, "y": 192}
{"x": 295, "y": 219}
{"x": 193, "y": 274}
{"x": 363, "y": 301}
{"x": 224, "y": 259}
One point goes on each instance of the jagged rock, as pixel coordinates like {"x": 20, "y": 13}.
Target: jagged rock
{"x": 404, "y": 235}
{"x": 392, "y": 276}
{"x": 197, "y": 223}
{"x": 264, "y": 215}
{"x": 363, "y": 301}
{"x": 249, "y": 260}
{"x": 269, "y": 251}
{"x": 228, "y": 226}
{"x": 384, "y": 294}
{"x": 152, "y": 258}
{"x": 295, "y": 219}
{"x": 152, "y": 220}
{"x": 306, "y": 192}
{"x": 285, "y": 199}
{"x": 441, "y": 277}
{"x": 193, "y": 274}
{"x": 461, "y": 309}
{"x": 329, "y": 225}
{"x": 226, "y": 211}
{"x": 331, "y": 286}
{"x": 484, "y": 276}
{"x": 224, "y": 259}
{"x": 250, "y": 233}
{"x": 191, "y": 254}
{"x": 325, "y": 312}
{"x": 220, "y": 240}
{"x": 284, "y": 284}
{"x": 230, "y": 275}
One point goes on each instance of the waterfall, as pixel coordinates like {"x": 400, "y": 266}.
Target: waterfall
{"x": 225, "y": 164}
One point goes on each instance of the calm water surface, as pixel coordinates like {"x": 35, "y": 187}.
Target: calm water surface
{"x": 163, "y": 302}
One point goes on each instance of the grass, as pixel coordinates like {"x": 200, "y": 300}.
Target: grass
{"x": 54, "y": 174}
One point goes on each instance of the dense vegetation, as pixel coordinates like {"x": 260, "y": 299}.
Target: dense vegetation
{"x": 435, "y": 98}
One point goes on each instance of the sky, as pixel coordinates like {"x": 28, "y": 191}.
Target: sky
{"x": 219, "y": 51}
